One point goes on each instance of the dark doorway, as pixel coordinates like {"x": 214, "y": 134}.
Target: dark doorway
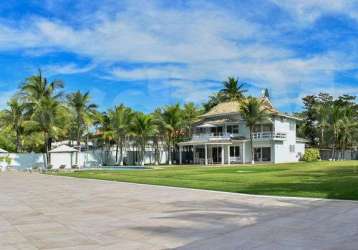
{"x": 216, "y": 153}
{"x": 262, "y": 154}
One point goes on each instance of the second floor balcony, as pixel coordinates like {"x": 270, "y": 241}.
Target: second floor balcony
{"x": 269, "y": 136}
{"x": 257, "y": 136}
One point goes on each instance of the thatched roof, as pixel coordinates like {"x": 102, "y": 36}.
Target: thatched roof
{"x": 234, "y": 106}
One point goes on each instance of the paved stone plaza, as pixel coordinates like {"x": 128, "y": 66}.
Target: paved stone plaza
{"x": 51, "y": 212}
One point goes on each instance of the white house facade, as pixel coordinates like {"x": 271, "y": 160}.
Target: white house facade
{"x": 222, "y": 137}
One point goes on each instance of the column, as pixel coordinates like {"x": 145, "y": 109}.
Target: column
{"x": 206, "y": 154}
{"x": 222, "y": 155}
{"x": 180, "y": 154}
{"x": 193, "y": 154}
{"x": 228, "y": 155}
{"x": 243, "y": 152}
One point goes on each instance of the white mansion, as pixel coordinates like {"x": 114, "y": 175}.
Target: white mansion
{"x": 221, "y": 137}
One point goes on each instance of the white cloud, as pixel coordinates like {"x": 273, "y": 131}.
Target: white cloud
{"x": 199, "y": 43}
{"x": 5, "y": 97}
{"x": 307, "y": 11}
{"x": 64, "y": 69}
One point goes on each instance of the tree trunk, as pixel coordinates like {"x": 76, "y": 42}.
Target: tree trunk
{"x": 143, "y": 152}
{"x": 252, "y": 148}
{"x": 18, "y": 147}
{"x": 156, "y": 153}
{"x": 169, "y": 153}
{"x": 121, "y": 152}
{"x": 334, "y": 144}
{"x": 46, "y": 140}
{"x": 117, "y": 149}
{"x": 78, "y": 136}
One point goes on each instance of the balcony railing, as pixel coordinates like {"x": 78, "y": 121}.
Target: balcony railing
{"x": 227, "y": 136}
{"x": 269, "y": 136}
{"x": 213, "y": 136}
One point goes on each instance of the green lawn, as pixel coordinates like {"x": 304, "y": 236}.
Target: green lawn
{"x": 333, "y": 180}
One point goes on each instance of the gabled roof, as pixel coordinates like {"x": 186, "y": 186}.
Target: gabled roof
{"x": 2, "y": 151}
{"x": 63, "y": 149}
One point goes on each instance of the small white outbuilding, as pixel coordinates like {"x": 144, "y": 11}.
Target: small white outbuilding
{"x": 63, "y": 156}
{"x": 2, "y": 151}
{"x": 3, "y": 164}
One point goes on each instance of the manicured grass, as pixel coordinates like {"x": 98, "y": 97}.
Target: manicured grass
{"x": 333, "y": 180}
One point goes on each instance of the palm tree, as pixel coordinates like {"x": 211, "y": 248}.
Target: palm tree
{"x": 335, "y": 118}
{"x": 14, "y": 118}
{"x": 47, "y": 119}
{"x": 172, "y": 122}
{"x": 83, "y": 112}
{"x": 347, "y": 128}
{"x": 253, "y": 111}
{"x": 143, "y": 127}
{"x": 322, "y": 112}
{"x": 106, "y": 134}
{"x": 214, "y": 100}
{"x": 37, "y": 92}
{"x": 37, "y": 86}
{"x": 190, "y": 114}
{"x": 120, "y": 118}
{"x": 233, "y": 91}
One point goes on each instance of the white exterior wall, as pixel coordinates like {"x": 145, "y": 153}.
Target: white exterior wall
{"x": 300, "y": 149}
{"x": 22, "y": 161}
{"x": 58, "y": 159}
{"x": 282, "y": 148}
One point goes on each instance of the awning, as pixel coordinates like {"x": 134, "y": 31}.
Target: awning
{"x": 206, "y": 125}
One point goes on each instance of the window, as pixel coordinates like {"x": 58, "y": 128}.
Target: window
{"x": 232, "y": 129}
{"x": 235, "y": 151}
{"x": 200, "y": 153}
{"x": 292, "y": 148}
{"x": 217, "y": 131}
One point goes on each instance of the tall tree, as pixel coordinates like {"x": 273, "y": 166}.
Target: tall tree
{"x": 121, "y": 119}
{"x": 321, "y": 110}
{"x": 190, "y": 115}
{"x": 36, "y": 87}
{"x": 253, "y": 111}
{"x": 143, "y": 127}
{"x": 336, "y": 115}
{"x": 309, "y": 123}
{"x": 42, "y": 99}
{"x": 233, "y": 91}
{"x": 214, "y": 100}
{"x": 172, "y": 120}
{"x": 83, "y": 112}
{"x": 47, "y": 119}
{"x": 14, "y": 117}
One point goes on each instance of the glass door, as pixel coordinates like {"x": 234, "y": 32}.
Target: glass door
{"x": 216, "y": 154}
{"x": 257, "y": 154}
{"x": 262, "y": 154}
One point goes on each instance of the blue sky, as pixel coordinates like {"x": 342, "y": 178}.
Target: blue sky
{"x": 150, "y": 53}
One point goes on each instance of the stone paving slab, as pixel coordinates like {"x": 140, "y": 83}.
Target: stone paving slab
{"x": 62, "y": 213}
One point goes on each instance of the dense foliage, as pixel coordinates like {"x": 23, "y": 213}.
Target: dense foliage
{"x": 311, "y": 154}
{"x": 330, "y": 122}
{"x": 40, "y": 113}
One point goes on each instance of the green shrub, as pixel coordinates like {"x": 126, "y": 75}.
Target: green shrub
{"x": 311, "y": 154}
{"x": 6, "y": 159}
